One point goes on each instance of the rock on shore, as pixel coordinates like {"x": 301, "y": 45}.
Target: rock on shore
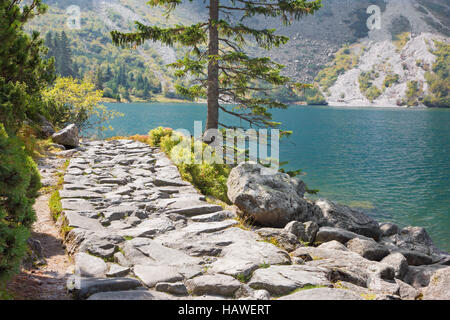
{"x": 138, "y": 231}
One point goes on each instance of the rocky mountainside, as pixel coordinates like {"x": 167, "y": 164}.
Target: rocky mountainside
{"x": 399, "y": 48}
{"x": 400, "y": 64}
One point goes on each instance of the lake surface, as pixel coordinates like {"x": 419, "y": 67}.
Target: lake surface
{"x": 394, "y": 163}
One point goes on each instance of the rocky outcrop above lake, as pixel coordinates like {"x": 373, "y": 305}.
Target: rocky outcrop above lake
{"x": 138, "y": 231}
{"x": 385, "y": 249}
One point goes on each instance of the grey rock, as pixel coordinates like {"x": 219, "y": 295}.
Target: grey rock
{"x": 285, "y": 239}
{"x": 333, "y": 245}
{"x": 279, "y": 280}
{"x": 208, "y": 227}
{"x": 379, "y": 285}
{"x": 196, "y": 210}
{"x": 118, "y": 212}
{"x": 398, "y": 262}
{"x": 311, "y": 229}
{"x": 129, "y": 295}
{"x": 151, "y": 275}
{"x": 272, "y": 200}
{"x": 406, "y": 291}
{"x": 116, "y": 270}
{"x": 149, "y": 252}
{"x": 323, "y": 294}
{"x": 326, "y": 234}
{"x": 76, "y": 205}
{"x": 177, "y": 288}
{"x": 368, "y": 249}
{"x": 82, "y": 288}
{"x": 160, "y": 182}
{"x": 149, "y": 228}
{"x": 344, "y": 265}
{"x": 246, "y": 253}
{"x": 79, "y": 194}
{"x": 416, "y": 258}
{"x": 46, "y": 127}
{"x": 420, "y": 276}
{"x": 296, "y": 228}
{"x": 67, "y": 136}
{"x": 89, "y": 266}
{"x": 340, "y": 216}
{"x": 77, "y": 221}
{"x": 214, "y": 217}
{"x": 388, "y": 229}
{"x": 217, "y": 284}
{"x": 438, "y": 289}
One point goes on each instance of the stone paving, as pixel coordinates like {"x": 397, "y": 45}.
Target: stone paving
{"x": 138, "y": 231}
{"x": 136, "y": 225}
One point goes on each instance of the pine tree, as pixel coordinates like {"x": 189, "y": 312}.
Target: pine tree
{"x": 146, "y": 88}
{"x": 224, "y": 72}
{"x": 66, "y": 63}
{"x": 98, "y": 79}
{"x": 23, "y": 74}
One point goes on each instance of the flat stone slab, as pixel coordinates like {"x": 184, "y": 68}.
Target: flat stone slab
{"x": 82, "y": 288}
{"x": 87, "y": 265}
{"x": 209, "y": 227}
{"x": 217, "y": 284}
{"x": 130, "y": 295}
{"x": 151, "y": 275}
{"x": 323, "y": 294}
{"x": 83, "y": 194}
{"x": 214, "y": 217}
{"x": 75, "y": 220}
{"x": 149, "y": 252}
{"x": 279, "y": 280}
{"x": 196, "y": 210}
{"x": 76, "y": 205}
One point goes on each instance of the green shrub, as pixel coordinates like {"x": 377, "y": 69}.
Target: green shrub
{"x": 366, "y": 87}
{"x": 19, "y": 183}
{"x": 390, "y": 80}
{"x": 413, "y": 93}
{"x": 439, "y": 80}
{"x": 210, "y": 179}
{"x": 157, "y": 134}
{"x": 344, "y": 60}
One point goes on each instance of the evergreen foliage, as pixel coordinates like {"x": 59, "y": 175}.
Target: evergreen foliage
{"x": 223, "y": 72}
{"x": 19, "y": 182}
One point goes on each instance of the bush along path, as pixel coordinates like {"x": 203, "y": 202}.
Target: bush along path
{"x": 136, "y": 230}
{"x": 47, "y": 266}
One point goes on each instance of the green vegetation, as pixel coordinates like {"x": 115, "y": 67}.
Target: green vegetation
{"x": 390, "y": 80}
{"x": 55, "y": 205}
{"x": 22, "y": 76}
{"x": 366, "y": 86}
{"x": 19, "y": 183}
{"x": 400, "y": 40}
{"x": 79, "y": 103}
{"x": 210, "y": 179}
{"x": 439, "y": 79}
{"x": 216, "y": 59}
{"x": 413, "y": 94}
{"x": 344, "y": 60}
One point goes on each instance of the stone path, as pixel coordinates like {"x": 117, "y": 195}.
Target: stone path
{"x": 138, "y": 231}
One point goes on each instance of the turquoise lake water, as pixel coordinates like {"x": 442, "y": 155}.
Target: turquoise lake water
{"x": 394, "y": 163}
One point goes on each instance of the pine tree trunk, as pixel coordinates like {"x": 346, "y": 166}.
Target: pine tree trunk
{"x": 212, "y": 121}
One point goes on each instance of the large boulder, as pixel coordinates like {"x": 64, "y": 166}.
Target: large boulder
{"x": 438, "y": 289}
{"x": 272, "y": 200}
{"x": 68, "y": 136}
{"x": 331, "y": 214}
